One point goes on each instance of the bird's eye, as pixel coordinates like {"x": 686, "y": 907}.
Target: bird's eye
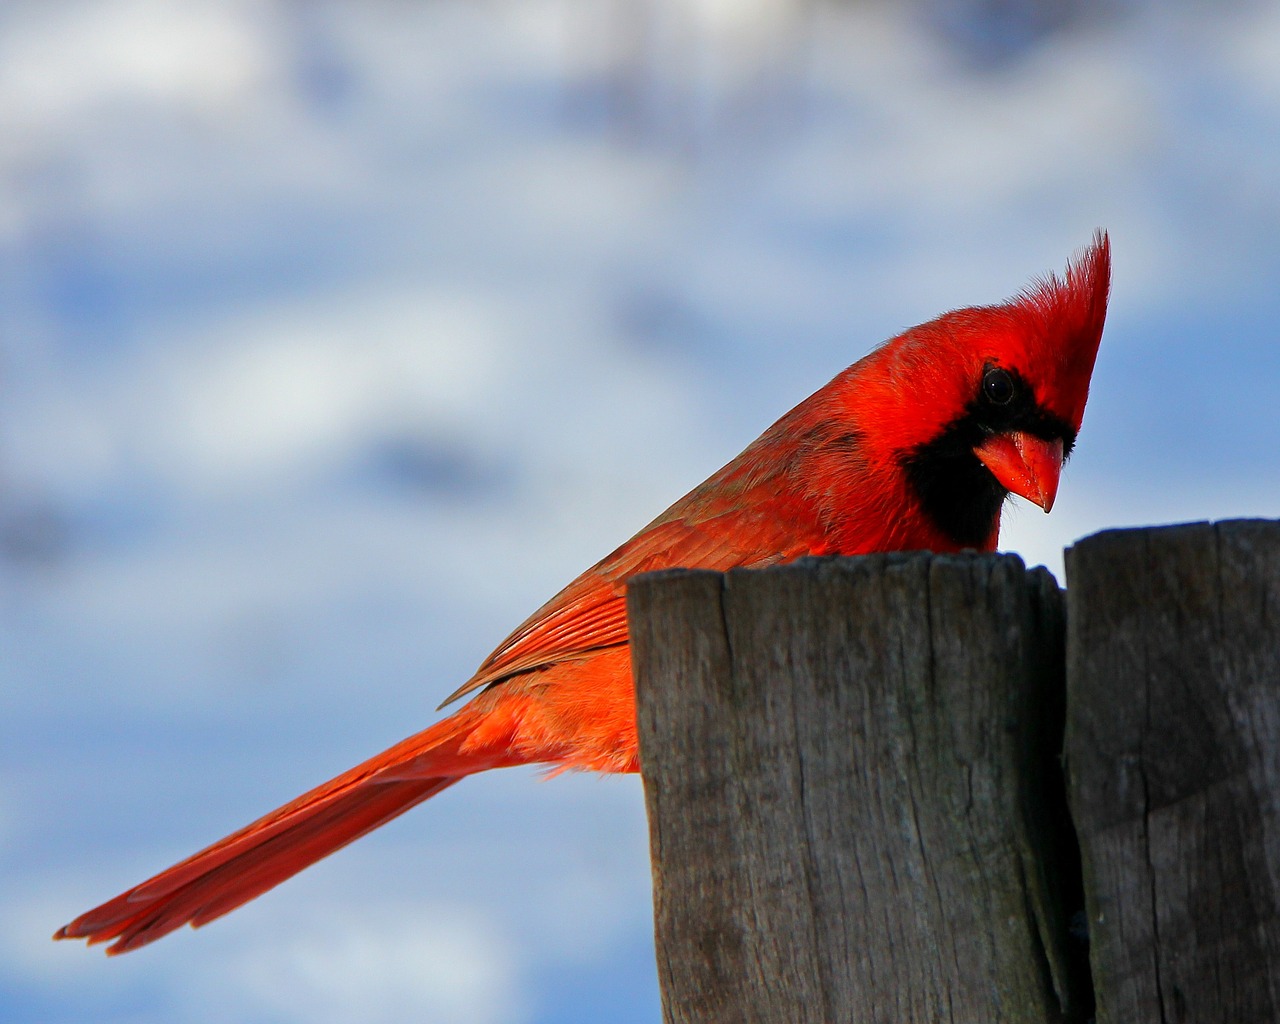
{"x": 997, "y": 386}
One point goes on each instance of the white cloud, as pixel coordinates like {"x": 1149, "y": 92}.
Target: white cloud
{"x": 326, "y": 961}
{"x": 73, "y": 60}
{"x": 296, "y": 386}
{"x": 344, "y": 964}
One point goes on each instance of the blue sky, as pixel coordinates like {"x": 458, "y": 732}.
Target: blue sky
{"x": 337, "y": 337}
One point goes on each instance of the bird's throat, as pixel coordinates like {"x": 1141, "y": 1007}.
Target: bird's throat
{"x": 957, "y": 493}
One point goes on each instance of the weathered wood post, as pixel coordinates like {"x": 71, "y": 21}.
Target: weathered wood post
{"x": 1173, "y": 746}
{"x": 855, "y": 806}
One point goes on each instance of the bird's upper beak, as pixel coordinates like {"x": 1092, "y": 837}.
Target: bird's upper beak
{"x": 1028, "y": 466}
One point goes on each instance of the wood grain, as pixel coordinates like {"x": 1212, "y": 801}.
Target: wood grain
{"x": 1174, "y": 763}
{"x": 850, "y": 772}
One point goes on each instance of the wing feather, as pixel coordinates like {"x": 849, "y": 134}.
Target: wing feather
{"x": 591, "y": 612}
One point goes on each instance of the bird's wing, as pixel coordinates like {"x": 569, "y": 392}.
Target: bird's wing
{"x": 591, "y": 612}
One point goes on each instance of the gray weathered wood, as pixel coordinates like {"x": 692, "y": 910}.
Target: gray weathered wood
{"x": 1173, "y": 748}
{"x": 845, "y": 767}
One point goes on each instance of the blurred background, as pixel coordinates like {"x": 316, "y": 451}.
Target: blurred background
{"x": 335, "y": 337}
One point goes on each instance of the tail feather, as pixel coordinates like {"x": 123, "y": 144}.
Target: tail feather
{"x": 277, "y": 846}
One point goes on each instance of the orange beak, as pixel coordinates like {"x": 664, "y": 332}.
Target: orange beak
{"x": 1026, "y": 465}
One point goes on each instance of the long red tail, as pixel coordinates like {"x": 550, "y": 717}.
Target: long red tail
{"x": 263, "y": 854}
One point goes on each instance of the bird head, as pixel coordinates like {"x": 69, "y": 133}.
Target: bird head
{"x": 986, "y": 401}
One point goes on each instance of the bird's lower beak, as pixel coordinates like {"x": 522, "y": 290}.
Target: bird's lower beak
{"x": 1028, "y": 466}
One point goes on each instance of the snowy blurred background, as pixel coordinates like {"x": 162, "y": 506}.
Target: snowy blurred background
{"x": 334, "y": 337}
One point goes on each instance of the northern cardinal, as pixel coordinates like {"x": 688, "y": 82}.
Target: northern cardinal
{"x": 915, "y": 446}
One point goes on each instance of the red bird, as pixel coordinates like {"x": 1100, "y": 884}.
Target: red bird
{"x": 915, "y": 446}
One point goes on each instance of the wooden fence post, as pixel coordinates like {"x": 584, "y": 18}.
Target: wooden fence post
{"x": 1173, "y": 745}
{"x": 855, "y": 806}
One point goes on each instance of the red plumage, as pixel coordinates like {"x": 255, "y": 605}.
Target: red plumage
{"x": 915, "y": 446}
